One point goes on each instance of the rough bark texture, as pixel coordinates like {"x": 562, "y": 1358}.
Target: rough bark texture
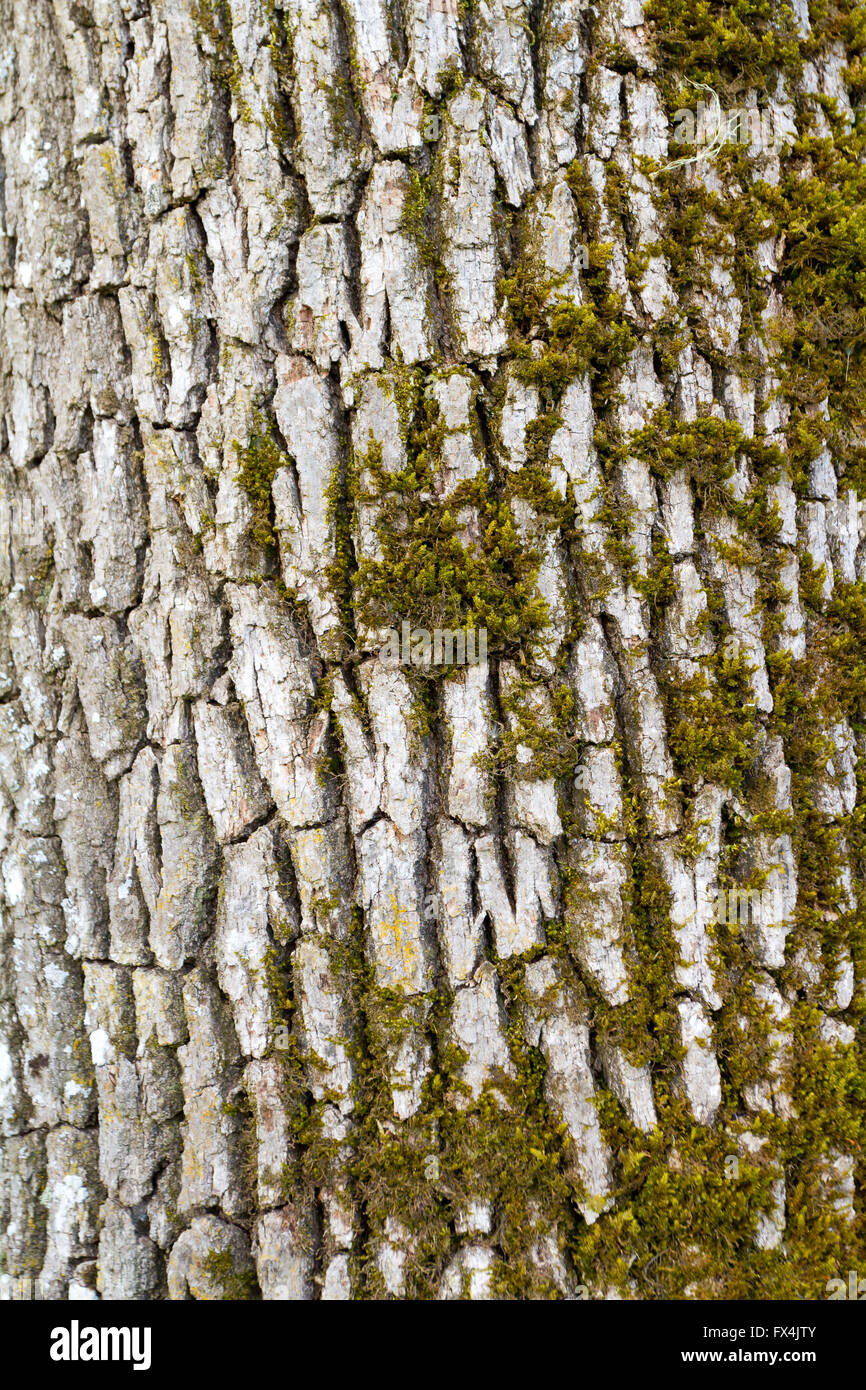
{"x": 327, "y": 974}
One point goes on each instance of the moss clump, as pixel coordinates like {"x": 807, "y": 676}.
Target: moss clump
{"x": 431, "y": 574}
{"x": 539, "y": 742}
{"x": 680, "y": 1222}
{"x": 814, "y": 212}
{"x": 259, "y": 462}
{"x": 706, "y": 447}
{"x": 832, "y": 676}
{"x": 214, "y": 27}
{"x": 431, "y": 578}
{"x": 821, "y": 336}
{"x": 415, "y": 221}
{"x": 505, "y": 1148}
{"x": 237, "y": 1285}
{"x": 658, "y": 586}
{"x": 339, "y": 573}
{"x": 712, "y": 722}
{"x": 843, "y": 645}
{"x": 741, "y": 41}
{"x": 554, "y": 340}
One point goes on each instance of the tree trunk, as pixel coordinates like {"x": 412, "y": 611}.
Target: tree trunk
{"x": 432, "y": 649}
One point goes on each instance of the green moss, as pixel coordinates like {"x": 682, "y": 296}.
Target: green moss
{"x": 212, "y": 19}
{"x": 680, "y": 1226}
{"x": 706, "y": 448}
{"x": 415, "y": 220}
{"x": 339, "y": 573}
{"x": 276, "y": 117}
{"x": 260, "y": 459}
{"x": 546, "y": 736}
{"x": 429, "y": 574}
{"x": 505, "y": 1148}
{"x": 743, "y": 40}
{"x": 236, "y": 1284}
{"x": 658, "y": 587}
{"x": 680, "y": 1223}
{"x": 815, "y": 212}
{"x": 554, "y": 340}
{"x": 712, "y": 722}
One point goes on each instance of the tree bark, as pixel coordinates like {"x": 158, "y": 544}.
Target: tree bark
{"x": 328, "y": 969}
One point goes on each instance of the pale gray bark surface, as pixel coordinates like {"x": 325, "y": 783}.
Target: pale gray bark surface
{"x": 254, "y": 895}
